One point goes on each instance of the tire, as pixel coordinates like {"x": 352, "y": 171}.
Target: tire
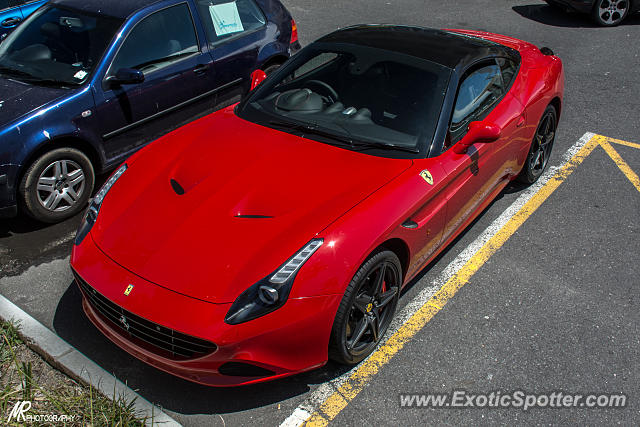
{"x": 363, "y": 308}
{"x": 609, "y": 13}
{"x": 541, "y": 146}
{"x": 57, "y": 185}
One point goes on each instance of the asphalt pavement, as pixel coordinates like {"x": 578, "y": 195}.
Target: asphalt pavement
{"x": 556, "y": 308}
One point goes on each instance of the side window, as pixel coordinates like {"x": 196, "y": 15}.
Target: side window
{"x": 509, "y": 70}
{"x": 225, "y": 19}
{"x": 477, "y": 93}
{"x": 158, "y": 40}
{"x": 6, "y": 4}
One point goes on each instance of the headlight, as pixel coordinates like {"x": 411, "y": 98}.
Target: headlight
{"x": 270, "y": 293}
{"x": 91, "y": 215}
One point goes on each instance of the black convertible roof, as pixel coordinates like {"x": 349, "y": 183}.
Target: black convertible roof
{"x": 450, "y": 49}
{"x": 115, "y": 8}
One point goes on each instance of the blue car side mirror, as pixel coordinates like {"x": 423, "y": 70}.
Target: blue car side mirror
{"x": 126, "y": 76}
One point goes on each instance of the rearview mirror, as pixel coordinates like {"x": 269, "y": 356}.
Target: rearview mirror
{"x": 478, "y": 132}
{"x": 126, "y": 76}
{"x": 257, "y": 77}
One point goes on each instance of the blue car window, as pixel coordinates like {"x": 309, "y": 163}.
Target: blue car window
{"x": 158, "y": 40}
{"x": 57, "y": 46}
{"x": 224, "y": 20}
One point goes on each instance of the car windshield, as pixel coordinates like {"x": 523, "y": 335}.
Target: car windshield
{"x": 56, "y": 46}
{"x": 353, "y": 96}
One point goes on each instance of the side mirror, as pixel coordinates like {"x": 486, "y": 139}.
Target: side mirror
{"x": 257, "y": 77}
{"x": 478, "y": 132}
{"x": 126, "y": 76}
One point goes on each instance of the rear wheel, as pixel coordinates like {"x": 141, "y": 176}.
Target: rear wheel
{"x": 367, "y": 308}
{"x": 610, "y": 13}
{"x": 57, "y": 185}
{"x": 541, "y": 147}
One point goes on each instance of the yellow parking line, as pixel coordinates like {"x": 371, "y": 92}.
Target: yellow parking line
{"x": 621, "y": 142}
{"x": 624, "y": 167}
{"x": 356, "y": 382}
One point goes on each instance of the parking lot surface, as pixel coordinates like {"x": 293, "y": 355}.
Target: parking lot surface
{"x": 554, "y": 308}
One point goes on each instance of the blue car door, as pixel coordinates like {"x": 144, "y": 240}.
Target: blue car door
{"x": 10, "y": 16}
{"x": 165, "y": 46}
{"x": 235, "y": 31}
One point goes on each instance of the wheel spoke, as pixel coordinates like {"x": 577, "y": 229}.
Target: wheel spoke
{"x": 358, "y": 333}
{"x": 78, "y": 178}
{"x": 71, "y": 196}
{"x": 64, "y": 168}
{"x": 374, "y": 324}
{"x": 53, "y": 200}
{"x": 46, "y": 183}
{"x": 377, "y": 288}
{"x": 387, "y": 297}
{"x": 57, "y": 170}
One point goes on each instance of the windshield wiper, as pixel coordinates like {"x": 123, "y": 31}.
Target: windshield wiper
{"x": 14, "y": 72}
{"x": 357, "y": 145}
{"x": 30, "y": 78}
{"x": 385, "y": 146}
{"x": 311, "y": 130}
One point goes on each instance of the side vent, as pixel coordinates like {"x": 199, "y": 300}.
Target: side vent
{"x": 177, "y": 187}
{"x": 546, "y": 51}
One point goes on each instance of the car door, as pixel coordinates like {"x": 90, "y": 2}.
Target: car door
{"x": 10, "y": 16}
{"x": 475, "y": 175}
{"x": 165, "y": 46}
{"x": 234, "y": 31}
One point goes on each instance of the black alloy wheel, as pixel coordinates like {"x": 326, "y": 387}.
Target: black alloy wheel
{"x": 541, "y": 147}
{"x": 366, "y": 309}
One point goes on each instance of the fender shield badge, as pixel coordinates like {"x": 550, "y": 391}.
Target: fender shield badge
{"x": 128, "y": 290}
{"x": 426, "y": 175}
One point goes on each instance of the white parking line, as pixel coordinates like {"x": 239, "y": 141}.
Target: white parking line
{"x": 304, "y": 411}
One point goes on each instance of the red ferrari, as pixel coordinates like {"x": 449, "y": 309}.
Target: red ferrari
{"x": 264, "y": 239}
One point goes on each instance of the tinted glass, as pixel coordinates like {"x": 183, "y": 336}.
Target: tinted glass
{"x": 509, "y": 69}
{"x": 364, "y": 94}
{"x": 57, "y": 45}
{"x": 477, "y": 93}
{"x": 224, "y": 19}
{"x": 158, "y": 40}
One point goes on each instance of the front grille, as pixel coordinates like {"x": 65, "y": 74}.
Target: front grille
{"x": 159, "y": 339}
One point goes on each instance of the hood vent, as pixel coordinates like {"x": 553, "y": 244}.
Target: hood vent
{"x": 177, "y": 187}
{"x": 253, "y": 216}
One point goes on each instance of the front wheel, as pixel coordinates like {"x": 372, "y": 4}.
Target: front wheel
{"x": 541, "y": 146}
{"x": 367, "y": 308}
{"x": 57, "y": 185}
{"x": 609, "y": 13}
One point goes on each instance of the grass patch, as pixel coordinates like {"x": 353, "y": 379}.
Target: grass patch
{"x": 25, "y": 376}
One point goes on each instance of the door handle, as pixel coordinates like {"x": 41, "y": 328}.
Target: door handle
{"x": 201, "y": 69}
{"x": 521, "y": 121}
{"x": 11, "y": 22}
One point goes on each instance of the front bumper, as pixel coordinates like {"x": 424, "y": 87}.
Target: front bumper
{"x": 8, "y": 205}
{"x": 290, "y": 340}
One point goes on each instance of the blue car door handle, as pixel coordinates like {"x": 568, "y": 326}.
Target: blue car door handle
{"x": 11, "y": 22}
{"x": 201, "y": 69}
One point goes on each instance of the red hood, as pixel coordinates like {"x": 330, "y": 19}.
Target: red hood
{"x": 193, "y": 243}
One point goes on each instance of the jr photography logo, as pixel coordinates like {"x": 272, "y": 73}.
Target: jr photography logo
{"x": 20, "y": 413}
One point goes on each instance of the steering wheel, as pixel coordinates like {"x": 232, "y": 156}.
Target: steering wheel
{"x": 333, "y": 95}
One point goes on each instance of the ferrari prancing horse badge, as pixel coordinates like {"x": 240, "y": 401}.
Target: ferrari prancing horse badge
{"x": 426, "y": 175}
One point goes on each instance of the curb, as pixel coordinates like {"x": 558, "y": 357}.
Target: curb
{"x": 63, "y": 356}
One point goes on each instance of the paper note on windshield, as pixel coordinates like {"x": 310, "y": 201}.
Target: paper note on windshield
{"x": 226, "y": 19}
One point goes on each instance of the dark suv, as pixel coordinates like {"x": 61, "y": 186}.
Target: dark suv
{"x": 84, "y": 83}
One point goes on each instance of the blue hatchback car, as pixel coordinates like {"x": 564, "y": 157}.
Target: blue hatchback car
{"x": 84, "y": 83}
{"x": 13, "y": 12}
